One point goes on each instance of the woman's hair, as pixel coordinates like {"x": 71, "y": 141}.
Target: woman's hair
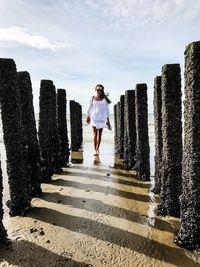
{"x": 103, "y": 93}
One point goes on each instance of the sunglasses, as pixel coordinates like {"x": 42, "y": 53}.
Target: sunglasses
{"x": 99, "y": 90}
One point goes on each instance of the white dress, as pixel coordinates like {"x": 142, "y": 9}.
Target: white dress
{"x": 98, "y": 110}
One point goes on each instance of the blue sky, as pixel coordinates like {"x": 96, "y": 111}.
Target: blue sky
{"x": 79, "y": 43}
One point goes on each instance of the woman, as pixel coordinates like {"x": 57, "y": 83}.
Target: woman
{"x": 98, "y": 115}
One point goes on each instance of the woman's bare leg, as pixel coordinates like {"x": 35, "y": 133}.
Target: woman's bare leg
{"x": 95, "y": 139}
{"x": 99, "y": 139}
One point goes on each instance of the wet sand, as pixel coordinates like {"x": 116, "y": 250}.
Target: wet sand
{"x": 94, "y": 215}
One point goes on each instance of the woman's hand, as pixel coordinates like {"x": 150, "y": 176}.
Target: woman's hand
{"x": 108, "y": 124}
{"x": 88, "y": 119}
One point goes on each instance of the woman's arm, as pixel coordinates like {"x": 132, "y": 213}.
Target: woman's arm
{"x": 107, "y": 109}
{"x": 89, "y": 110}
{"x": 108, "y": 114}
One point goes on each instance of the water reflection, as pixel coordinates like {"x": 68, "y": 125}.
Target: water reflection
{"x": 77, "y": 156}
{"x": 97, "y": 160}
{"x": 152, "y": 206}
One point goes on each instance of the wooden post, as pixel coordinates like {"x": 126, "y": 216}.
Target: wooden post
{"x": 115, "y": 126}
{"x": 188, "y": 235}
{"x": 121, "y": 126}
{"x": 171, "y": 180}
{"x": 158, "y": 133}
{"x": 62, "y": 127}
{"x": 3, "y": 233}
{"x": 29, "y": 124}
{"x": 73, "y": 125}
{"x": 76, "y": 132}
{"x": 55, "y": 142}
{"x": 129, "y": 129}
{"x": 44, "y": 130}
{"x": 18, "y": 167}
{"x": 142, "y": 165}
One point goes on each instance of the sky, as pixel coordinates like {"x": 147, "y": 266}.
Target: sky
{"x": 80, "y": 43}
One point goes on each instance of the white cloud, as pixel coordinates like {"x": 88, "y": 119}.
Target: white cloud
{"x": 20, "y": 35}
{"x": 140, "y": 13}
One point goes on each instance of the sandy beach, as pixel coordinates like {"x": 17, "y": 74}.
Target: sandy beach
{"x": 94, "y": 215}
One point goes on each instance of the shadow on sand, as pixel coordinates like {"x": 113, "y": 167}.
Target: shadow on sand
{"x": 98, "y": 206}
{"x": 36, "y": 256}
{"x": 135, "y": 242}
{"x": 106, "y": 178}
{"x": 101, "y": 189}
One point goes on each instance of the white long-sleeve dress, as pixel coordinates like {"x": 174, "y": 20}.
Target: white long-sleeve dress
{"x": 98, "y": 110}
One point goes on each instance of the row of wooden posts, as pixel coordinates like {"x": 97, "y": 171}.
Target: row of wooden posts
{"x": 31, "y": 161}
{"x": 131, "y": 131}
{"x": 32, "y": 156}
{"x": 177, "y": 167}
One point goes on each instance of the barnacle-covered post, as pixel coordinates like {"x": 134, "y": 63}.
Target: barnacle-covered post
{"x": 115, "y": 126}
{"x": 62, "y": 127}
{"x": 117, "y": 146}
{"x": 129, "y": 129}
{"x": 76, "y": 132}
{"x": 142, "y": 165}
{"x": 3, "y": 233}
{"x": 18, "y": 168}
{"x": 121, "y": 126}
{"x": 171, "y": 179}
{"x": 157, "y": 102}
{"x": 73, "y": 125}
{"x": 29, "y": 124}
{"x": 55, "y": 142}
{"x": 188, "y": 235}
{"x": 44, "y": 130}
{"x": 79, "y": 125}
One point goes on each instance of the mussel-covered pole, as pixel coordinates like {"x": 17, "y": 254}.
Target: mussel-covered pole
{"x": 73, "y": 125}
{"x": 18, "y": 168}
{"x": 62, "y": 126}
{"x": 171, "y": 180}
{"x": 44, "y": 130}
{"x": 55, "y": 142}
{"x": 188, "y": 235}
{"x": 29, "y": 124}
{"x": 117, "y": 129}
{"x": 79, "y": 124}
{"x": 115, "y": 126}
{"x": 3, "y": 233}
{"x": 121, "y": 126}
{"x": 129, "y": 129}
{"x": 142, "y": 165}
{"x": 157, "y": 102}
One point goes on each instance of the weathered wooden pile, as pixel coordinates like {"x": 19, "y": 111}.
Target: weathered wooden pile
{"x": 177, "y": 168}
{"x": 131, "y": 131}
{"x": 76, "y": 125}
